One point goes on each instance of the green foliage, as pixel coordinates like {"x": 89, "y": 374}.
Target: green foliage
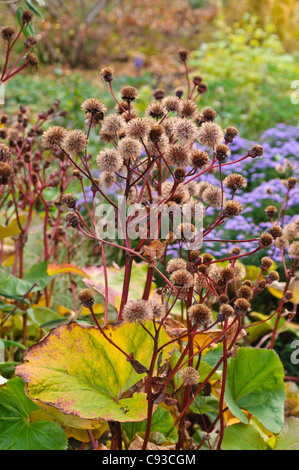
{"x": 242, "y": 437}
{"x": 255, "y": 383}
{"x": 17, "y": 432}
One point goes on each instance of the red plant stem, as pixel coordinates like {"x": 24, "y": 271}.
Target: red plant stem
{"x": 223, "y": 383}
{"x": 92, "y": 441}
{"x": 187, "y": 76}
{"x": 14, "y": 73}
{"x": 148, "y": 283}
{"x": 6, "y": 62}
{"x": 106, "y": 285}
{"x": 149, "y": 380}
{"x": 283, "y": 203}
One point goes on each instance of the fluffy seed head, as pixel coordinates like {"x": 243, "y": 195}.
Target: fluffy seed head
{"x": 270, "y": 211}
{"x": 275, "y": 231}
{"x": 175, "y": 264}
{"x": 210, "y": 134}
{"x": 226, "y": 310}
{"x": 189, "y": 376}
{"x": 181, "y": 278}
{"x": 30, "y": 60}
{"x": 294, "y": 250}
{"x": 86, "y": 296}
{"x": 256, "y": 151}
{"x": 137, "y": 310}
{"x": 7, "y": 33}
{"x": 94, "y": 106}
{"x": 107, "y": 179}
{"x": 212, "y": 196}
{"x": 107, "y": 74}
{"x": 200, "y": 314}
{"x": 138, "y": 128}
{"x": 129, "y": 93}
{"x": 75, "y": 141}
{"x": 266, "y": 263}
{"x": 199, "y": 159}
{"x": 173, "y": 104}
{"x": 156, "y": 110}
{"x": 129, "y": 148}
{"x": 235, "y": 181}
{"x": 159, "y": 94}
{"x": 189, "y": 109}
{"x": 209, "y": 114}
{"x": 158, "y": 310}
{"x": 54, "y": 136}
{"x": 27, "y": 16}
{"x": 265, "y": 240}
{"x": 242, "y": 306}
{"x": 232, "y": 208}
{"x": 156, "y": 133}
{"x": 110, "y": 160}
{"x": 292, "y": 182}
{"x": 245, "y": 292}
{"x": 178, "y": 155}
{"x": 230, "y": 134}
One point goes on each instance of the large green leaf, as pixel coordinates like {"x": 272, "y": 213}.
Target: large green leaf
{"x": 288, "y": 438}
{"x": 242, "y": 437}
{"x": 77, "y": 370}
{"x": 17, "y": 432}
{"x": 255, "y": 383}
{"x": 11, "y": 286}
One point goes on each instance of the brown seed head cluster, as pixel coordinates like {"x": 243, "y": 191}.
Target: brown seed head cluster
{"x": 200, "y": 314}
{"x": 189, "y": 376}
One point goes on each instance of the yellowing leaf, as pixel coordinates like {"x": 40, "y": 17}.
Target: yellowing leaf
{"x": 65, "y": 268}
{"x": 77, "y": 370}
{"x": 97, "y": 308}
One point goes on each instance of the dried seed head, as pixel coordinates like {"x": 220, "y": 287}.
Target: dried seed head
{"x": 240, "y": 271}
{"x": 232, "y": 208}
{"x": 272, "y": 276}
{"x": 107, "y": 179}
{"x": 200, "y": 314}
{"x": 69, "y": 200}
{"x": 207, "y": 258}
{"x": 72, "y": 219}
{"x": 222, "y": 151}
{"x": 242, "y": 306}
{"x": 294, "y": 250}
{"x": 209, "y": 114}
{"x": 181, "y": 278}
{"x": 212, "y": 196}
{"x": 282, "y": 242}
{"x": 223, "y": 299}
{"x": 30, "y": 42}
{"x": 156, "y": 110}
{"x": 226, "y": 311}
{"x": 7, "y": 34}
{"x": 138, "y": 128}
{"x": 175, "y": 264}
{"x": 266, "y": 263}
{"x": 129, "y": 148}
{"x": 156, "y": 133}
{"x": 75, "y": 141}
{"x": 5, "y": 172}
{"x": 199, "y": 159}
{"x": 86, "y": 296}
{"x": 275, "y": 231}
{"x": 227, "y": 274}
{"x": 158, "y": 310}
{"x": 30, "y": 60}
{"x": 109, "y": 159}
{"x": 287, "y": 296}
{"x": 183, "y": 54}
{"x": 292, "y": 182}
{"x": 265, "y": 240}
{"x": 54, "y": 136}
{"x": 189, "y": 376}
{"x": 235, "y": 181}
{"x": 210, "y": 134}
{"x": 94, "y": 106}
{"x": 137, "y": 310}
{"x": 107, "y": 74}
{"x": 197, "y": 80}
{"x": 270, "y": 211}
{"x": 186, "y": 130}
{"x": 129, "y": 93}
{"x": 113, "y": 124}
{"x": 230, "y": 134}
{"x": 180, "y": 174}
{"x": 179, "y": 91}
{"x": 178, "y": 155}
{"x": 27, "y": 16}
{"x": 256, "y": 151}
{"x": 202, "y": 88}
{"x": 159, "y": 94}
{"x": 189, "y": 109}
{"x": 235, "y": 251}
{"x": 173, "y": 104}
{"x": 245, "y": 292}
